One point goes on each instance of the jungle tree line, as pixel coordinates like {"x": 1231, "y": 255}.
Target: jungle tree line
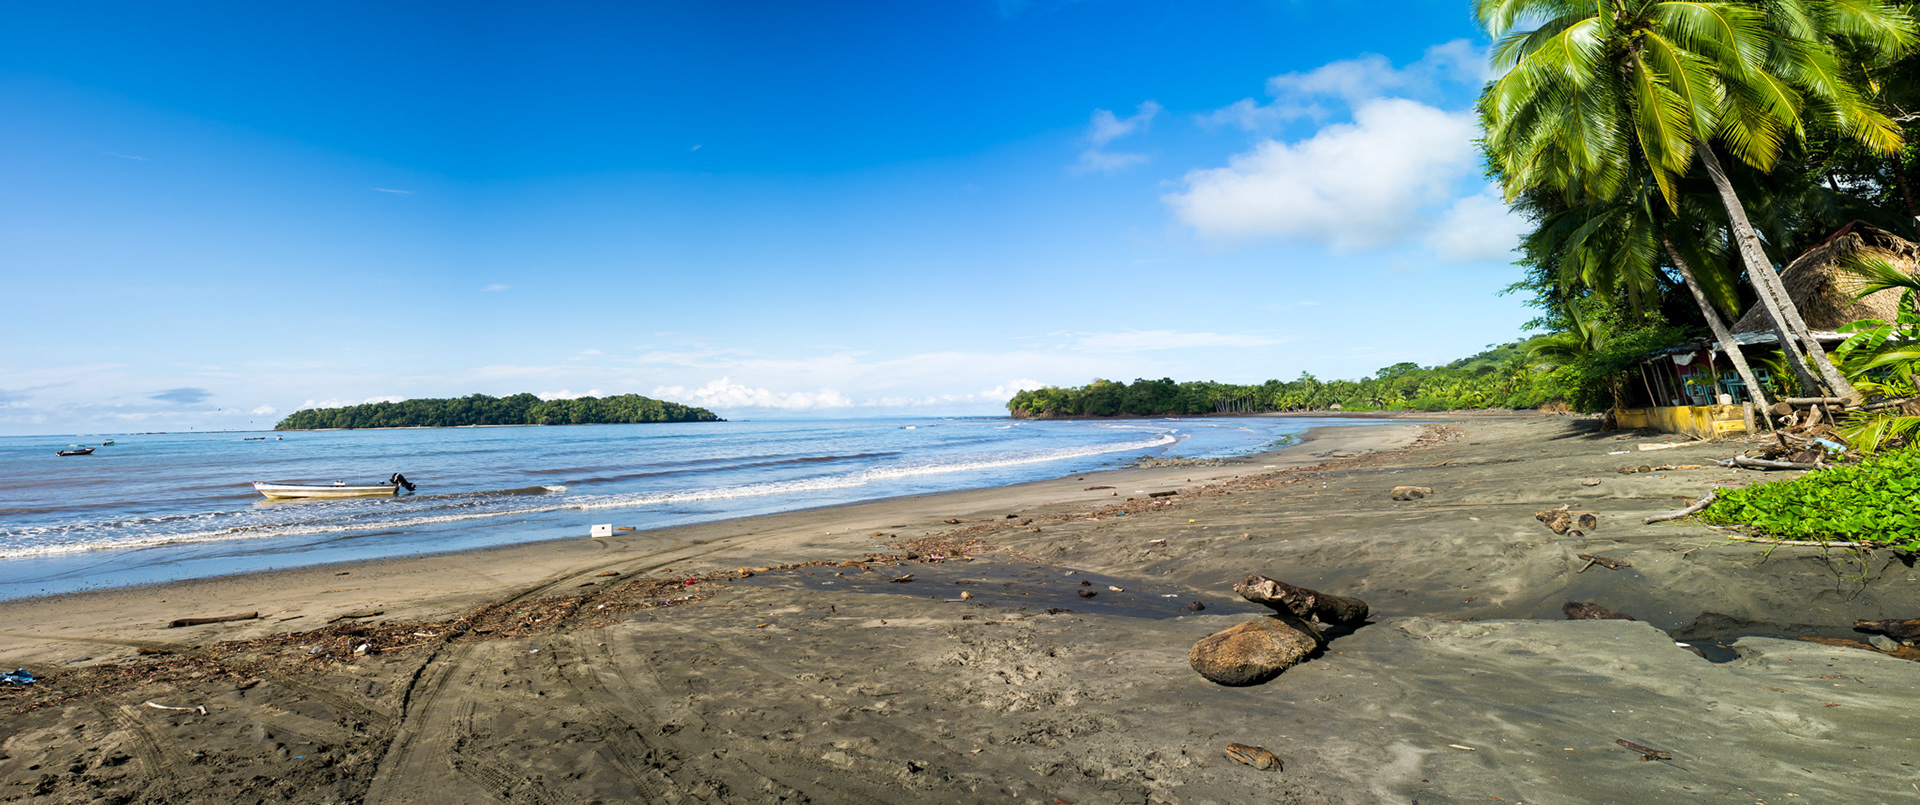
{"x": 480, "y": 409}
{"x": 1504, "y": 376}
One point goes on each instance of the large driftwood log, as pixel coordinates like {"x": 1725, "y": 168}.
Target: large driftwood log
{"x": 1765, "y": 464}
{"x": 1302, "y": 602}
{"x": 1902, "y": 630}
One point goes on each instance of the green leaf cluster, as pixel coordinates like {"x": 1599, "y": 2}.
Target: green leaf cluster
{"x": 480, "y": 409}
{"x": 1876, "y": 501}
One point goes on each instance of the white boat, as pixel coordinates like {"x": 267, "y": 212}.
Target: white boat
{"x": 337, "y": 489}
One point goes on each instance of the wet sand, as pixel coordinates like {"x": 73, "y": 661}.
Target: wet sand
{"x": 534, "y": 674}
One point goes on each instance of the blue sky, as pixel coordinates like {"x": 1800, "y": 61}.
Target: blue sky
{"x": 214, "y": 215}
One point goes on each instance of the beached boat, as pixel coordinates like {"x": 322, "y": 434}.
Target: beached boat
{"x": 74, "y": 450}
{"x": 337, "y": 489}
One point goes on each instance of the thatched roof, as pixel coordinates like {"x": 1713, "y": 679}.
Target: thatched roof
{"x": 1824, "y": 291}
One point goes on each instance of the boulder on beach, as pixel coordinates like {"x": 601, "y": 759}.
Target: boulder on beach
{"x": 1255, "y": 651}
{"x": 1410, "y": 492}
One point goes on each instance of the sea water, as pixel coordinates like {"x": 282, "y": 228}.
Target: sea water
{"x": 160, "y": 507}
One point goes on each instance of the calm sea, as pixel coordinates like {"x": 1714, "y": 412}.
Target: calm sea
{"x": 161, "y": 507}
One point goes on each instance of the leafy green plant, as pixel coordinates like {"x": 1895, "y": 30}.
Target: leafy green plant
{"x": 1881, "y": 358}
{"x": 1875, "y": 502}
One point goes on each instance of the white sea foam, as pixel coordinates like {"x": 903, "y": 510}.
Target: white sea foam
{"x": 335, "y": 517}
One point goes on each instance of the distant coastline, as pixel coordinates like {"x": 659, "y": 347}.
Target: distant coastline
{"x": 480, "y": 410}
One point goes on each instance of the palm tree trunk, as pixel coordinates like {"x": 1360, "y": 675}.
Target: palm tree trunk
{"x": 1720, "y": 332}
{"x": 1773, "y": 294}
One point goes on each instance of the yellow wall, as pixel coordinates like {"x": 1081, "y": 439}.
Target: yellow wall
{"x": 1698, "y": 421}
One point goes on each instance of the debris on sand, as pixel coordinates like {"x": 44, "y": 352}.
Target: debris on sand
{"x": 179, "y": 622}
{"x": 1603, "y": 561}
{"x": 1587, "y": 611}
{"x": 1255, "y": 756}
{"x": 1568, "y": 523}
{"x": 1410, "y": 492}
{"x": 1646, "y": 752}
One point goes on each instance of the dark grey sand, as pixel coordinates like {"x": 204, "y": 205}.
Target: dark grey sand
{"x": 827, "y": 683}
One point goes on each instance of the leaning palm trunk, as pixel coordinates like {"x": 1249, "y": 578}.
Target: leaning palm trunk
{"x": 1720, "y": 331}
{"x": 1792, "y": 330}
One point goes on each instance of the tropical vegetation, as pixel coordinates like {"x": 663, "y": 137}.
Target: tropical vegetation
{"x": 480, "y": 409}
{"x": 1875, "y": 502}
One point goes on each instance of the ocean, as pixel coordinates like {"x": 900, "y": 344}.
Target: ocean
{"x": 163, "y": 507}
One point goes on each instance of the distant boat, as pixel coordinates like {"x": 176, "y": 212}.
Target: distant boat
{"x": 337, "y": 489}
{"x": 74, "y": 450}
{"x": 107, "y": 443}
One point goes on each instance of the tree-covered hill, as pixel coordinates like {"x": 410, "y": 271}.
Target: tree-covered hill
{"x": 480, "y": 409}
{"x": 1504, "y": 376}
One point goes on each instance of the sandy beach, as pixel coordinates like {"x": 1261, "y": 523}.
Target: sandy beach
{"x": 829, "y": 655}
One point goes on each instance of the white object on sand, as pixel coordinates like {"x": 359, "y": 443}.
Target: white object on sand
{"x": 603, "y": 530}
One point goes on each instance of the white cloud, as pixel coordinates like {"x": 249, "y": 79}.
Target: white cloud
{"x": 1452, "y": 66}
{"x": 1105, "y": 127}
{"x": 264, "y": 410}
{"x": 1478, "y": 228}
{"x": 1005, "y": 391}
{"x": 565, "y": 394}
{"x": 1350, "y": 186}
{"x": 496, "y": 288}
{"x": 724, "y": 393}
{"x": 590, "y": 352}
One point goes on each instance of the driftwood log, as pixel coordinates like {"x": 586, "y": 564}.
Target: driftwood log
{"x": 1302, "y": 602}
{"x": 1766, "y": 464}
{"x": 1902, "y": 630}
{"x": 1586, "y": 611}
{"x": 177, "y": 623}
{"x": 1694, "y": 508}
{"x": 1603, "y": 561}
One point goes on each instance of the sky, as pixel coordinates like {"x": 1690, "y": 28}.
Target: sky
{"x": 212, "y": 215}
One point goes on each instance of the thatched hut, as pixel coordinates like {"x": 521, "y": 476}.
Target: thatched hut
{"x": 1692, "y": 388}
{"x": 1824, "y": 291}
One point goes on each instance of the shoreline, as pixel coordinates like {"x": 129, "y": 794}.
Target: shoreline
{"x": 1022, "y": 643}
{"x": 537, "y": 553}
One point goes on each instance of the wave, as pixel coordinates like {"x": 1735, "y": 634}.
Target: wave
{"x": 402, "y": 513}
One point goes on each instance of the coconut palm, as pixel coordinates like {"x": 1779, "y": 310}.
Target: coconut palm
{"x": 1598, "y": 92}
{"x": 1601, "y": 246}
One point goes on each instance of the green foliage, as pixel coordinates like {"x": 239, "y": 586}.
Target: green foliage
{"x": 1882, "y": 359}
{"x": 1504, "y": 376}
{"x": 480, "y": 409}
{"x": 1876, "y": 501}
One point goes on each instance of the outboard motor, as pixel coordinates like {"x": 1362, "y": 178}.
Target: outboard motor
{"x": 400, "y": 481}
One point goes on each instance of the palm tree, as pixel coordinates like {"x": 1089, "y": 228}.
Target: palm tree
{"x": 1606, "y": 244}
{"x": 1597, "y": 93}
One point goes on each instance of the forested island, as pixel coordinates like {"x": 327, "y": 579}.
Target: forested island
{"x": 480, "y": 409}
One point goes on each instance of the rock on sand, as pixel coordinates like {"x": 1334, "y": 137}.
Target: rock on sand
{"x": 1255, "y": 651}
